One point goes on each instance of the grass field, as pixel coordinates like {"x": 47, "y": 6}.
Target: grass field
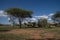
{"x": 10, "y": 33}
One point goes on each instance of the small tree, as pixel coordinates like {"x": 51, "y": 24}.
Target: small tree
{"x": 56, "y": 17}
{"x": 42, "y": 22}
{"x": 39, "y": 24}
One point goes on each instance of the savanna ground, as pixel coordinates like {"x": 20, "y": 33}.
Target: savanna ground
{"x": 14, "y": 33}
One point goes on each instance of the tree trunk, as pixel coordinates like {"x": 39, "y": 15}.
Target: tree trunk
{"x": 20, "y": 22}
{"x": 13, "y": 23}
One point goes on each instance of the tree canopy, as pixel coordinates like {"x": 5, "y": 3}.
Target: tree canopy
{"x": 17, "y": 12}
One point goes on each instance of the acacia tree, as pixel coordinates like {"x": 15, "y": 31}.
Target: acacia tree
{"x": 56, "y": 17}
{"x": 19, "y": 13}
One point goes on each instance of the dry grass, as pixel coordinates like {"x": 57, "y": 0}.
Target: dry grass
{"x": 35, "y": 33}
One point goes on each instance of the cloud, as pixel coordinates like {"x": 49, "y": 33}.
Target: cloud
{"x": 33, "y": 19}
{"x": 49, "y": 19}
{"x": 8, "y": 18}
{"x": 51, "y": 14}
{"x": 30, "y": 20}
{"x": 2, "y": 13}
{"x": 43, "y": 16}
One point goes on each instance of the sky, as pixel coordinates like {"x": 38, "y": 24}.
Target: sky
{"x": 40, "y": 8}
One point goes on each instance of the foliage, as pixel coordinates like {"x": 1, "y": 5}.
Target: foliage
{"x": 42, "y": 22}
{"x": 19, "y": 12}
{"x": 56, "y": 17}
{"x": 33, "y": 24}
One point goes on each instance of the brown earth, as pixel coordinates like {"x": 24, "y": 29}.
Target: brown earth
{"x": 36, "y": 34}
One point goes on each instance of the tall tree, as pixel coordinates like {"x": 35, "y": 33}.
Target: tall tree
{"x": 19, "y": 13}
{"x": 56, "y": 17}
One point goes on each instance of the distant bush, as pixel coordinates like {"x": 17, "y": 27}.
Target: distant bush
{"x": 42, "y": 22}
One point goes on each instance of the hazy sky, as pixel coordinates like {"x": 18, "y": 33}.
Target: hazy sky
{"x": 44, "y": 8}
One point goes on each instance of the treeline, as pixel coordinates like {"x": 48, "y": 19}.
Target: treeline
{"x": 41, "y": 23}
